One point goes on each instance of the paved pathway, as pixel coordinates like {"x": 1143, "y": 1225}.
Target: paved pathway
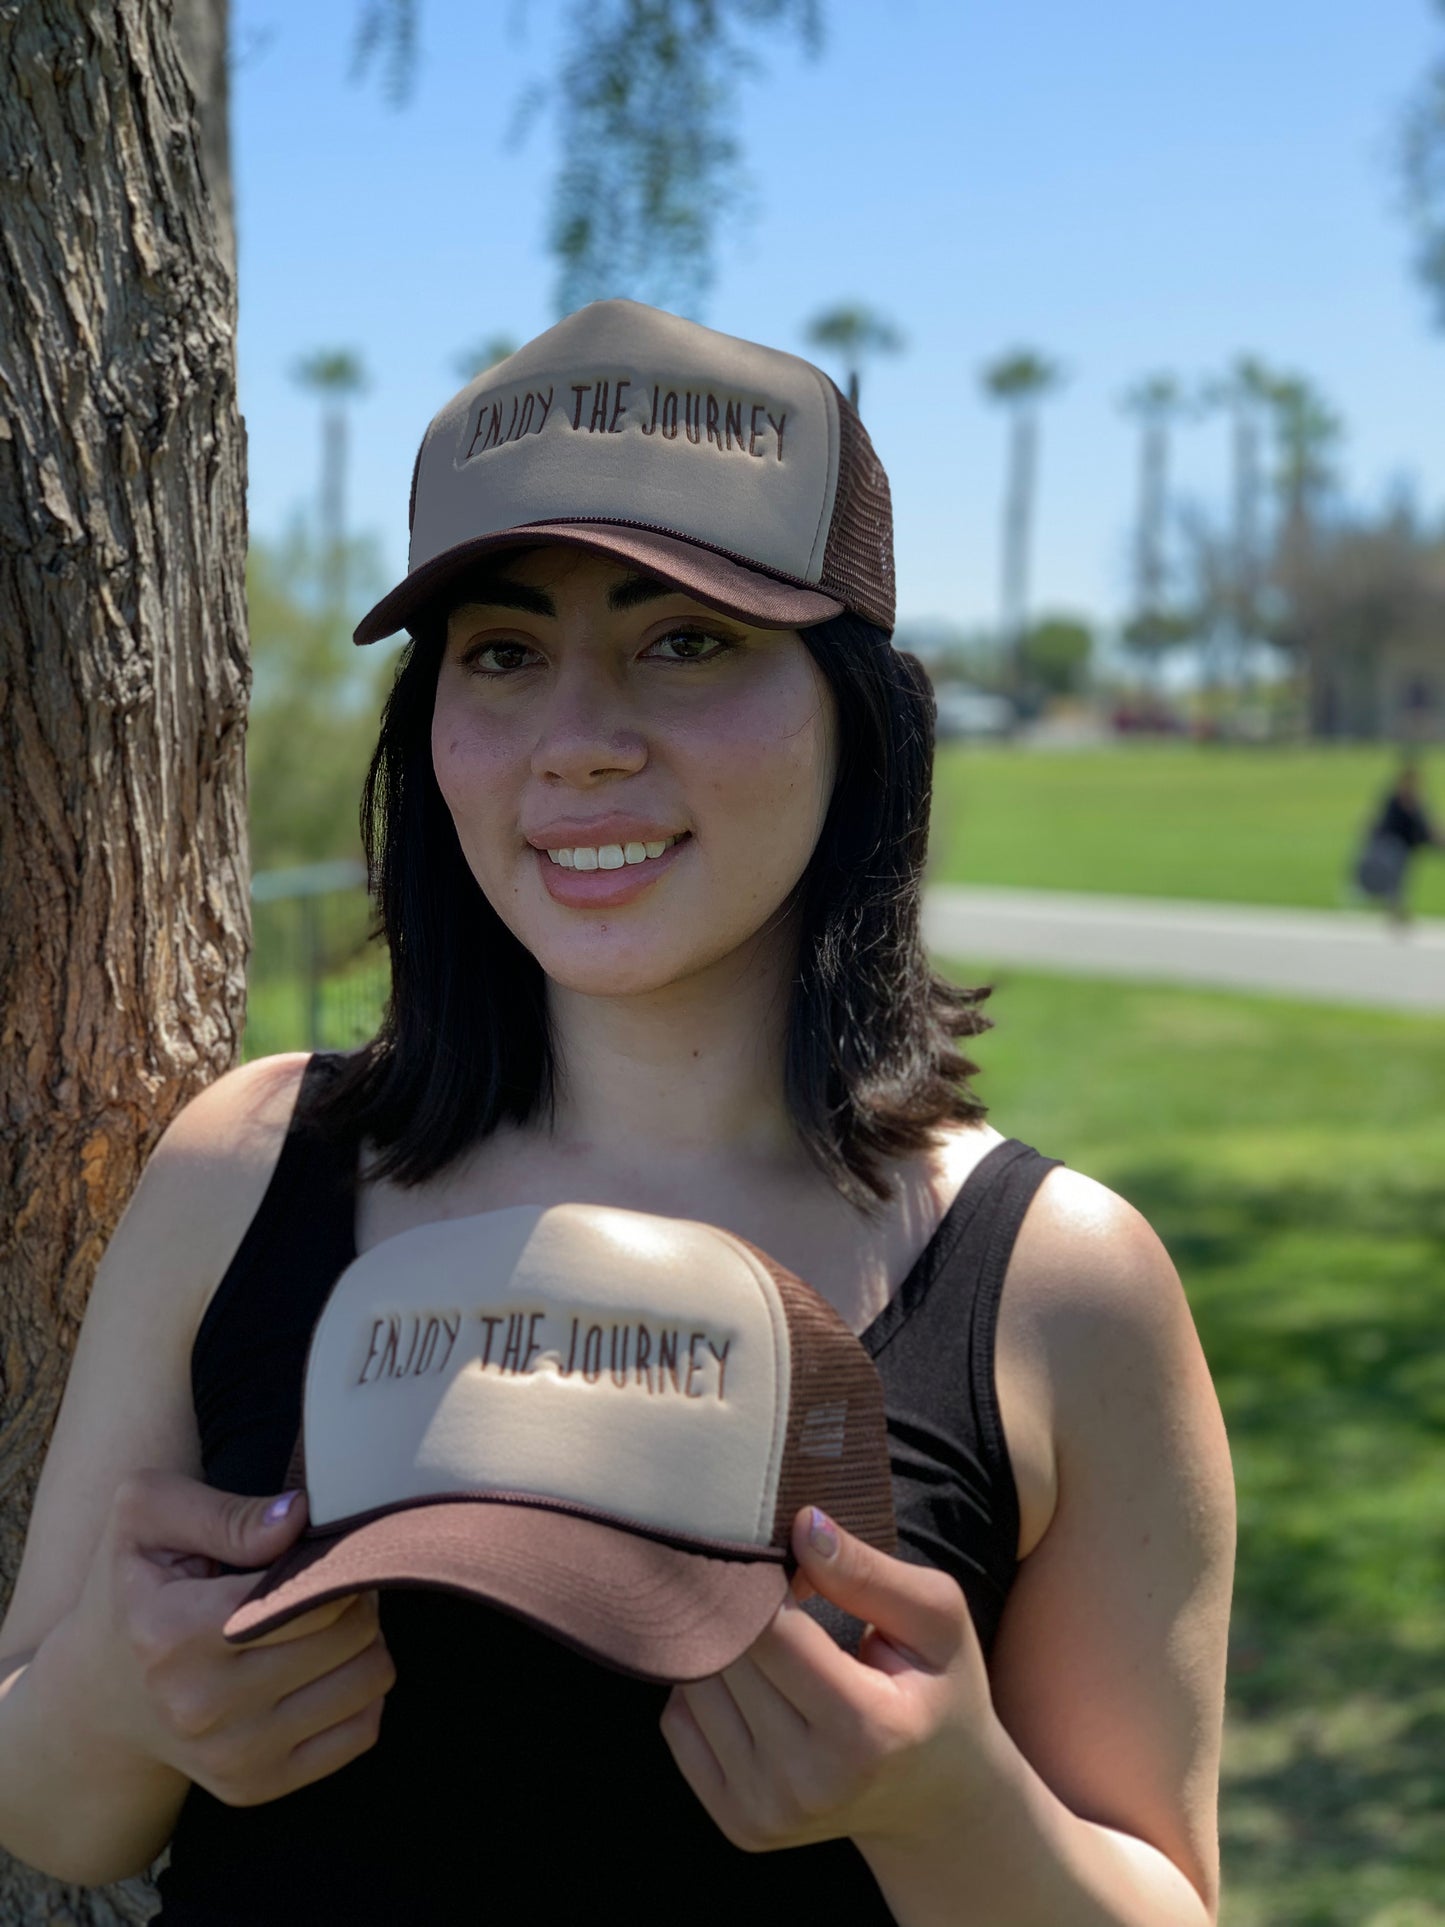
{"x": 1335, "y": 956}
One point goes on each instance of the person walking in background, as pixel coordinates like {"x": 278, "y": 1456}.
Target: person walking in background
{"x": 1400, "y": 828}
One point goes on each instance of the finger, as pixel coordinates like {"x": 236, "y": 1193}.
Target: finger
{"x": 722, "y": 1725}
{"x": 806, "y": 1666}
{"x": 280, "y": 1670}
{"x": 166, "y": 1512}
{"x": 918, "y": 1610}
{"x": 696, "y": 1761}
{"x": 314, "y": 1621}
{"x": 337, "y": 1695}
{"x": 200, "y": 1608}
{"x": 326, "y": 1753}
{"x": 776, "y": 1725}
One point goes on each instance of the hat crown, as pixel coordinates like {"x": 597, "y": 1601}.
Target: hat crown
{"x": 595, "y": 1357}
{"x": 623, "y": 413}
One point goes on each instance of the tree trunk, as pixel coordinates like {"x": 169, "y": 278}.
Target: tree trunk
{"x": 1018, "y": 517}
{"x": 123, "y": 687}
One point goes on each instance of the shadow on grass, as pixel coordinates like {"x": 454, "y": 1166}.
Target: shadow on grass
{"x": 1319, "y": 1306}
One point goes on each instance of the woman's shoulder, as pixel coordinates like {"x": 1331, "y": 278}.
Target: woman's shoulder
{"x": 238, "y": 1116}
{"x": 204, "y": 1181}
{"x": 1088, "y": 1268}
{"x": 1097, "y": 1305}
{"x": 1097, "y": 1349}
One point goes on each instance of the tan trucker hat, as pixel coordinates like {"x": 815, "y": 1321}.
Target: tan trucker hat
{"x": 735, "y": 472}
{"x": 601, "y": 1421}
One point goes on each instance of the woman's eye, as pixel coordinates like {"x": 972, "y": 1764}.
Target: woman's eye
{"x": 496, "y": 658}
{"x": 691, "y": 645}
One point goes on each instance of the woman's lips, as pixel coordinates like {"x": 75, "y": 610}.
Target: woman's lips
{"x": 579, "y": 889}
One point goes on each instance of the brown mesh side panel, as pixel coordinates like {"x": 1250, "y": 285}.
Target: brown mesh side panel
{"x": 858, "y": 557}
{"x": 296, "y": 1467}
{"x": 835, "y": 1454}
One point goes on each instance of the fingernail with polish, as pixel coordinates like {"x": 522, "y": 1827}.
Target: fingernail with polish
{"x": 822, "y": 1534}
{"x": 278, "y": 1508}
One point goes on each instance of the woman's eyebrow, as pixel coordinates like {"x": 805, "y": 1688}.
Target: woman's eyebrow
{"x": 515, "y": 595}
{"x": 635, "y": 589}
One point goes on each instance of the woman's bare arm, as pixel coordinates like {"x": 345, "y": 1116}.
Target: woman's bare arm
{"x": 71, "y": 1800}
{"x": 1108, "y": 1672}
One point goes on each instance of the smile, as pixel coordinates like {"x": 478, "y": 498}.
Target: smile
{"x": 610, "y": 856}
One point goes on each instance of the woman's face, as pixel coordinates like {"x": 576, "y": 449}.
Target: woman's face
{"x": 593, "y": 711}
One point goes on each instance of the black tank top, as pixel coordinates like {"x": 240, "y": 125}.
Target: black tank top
{"x": 513, "y": 1779}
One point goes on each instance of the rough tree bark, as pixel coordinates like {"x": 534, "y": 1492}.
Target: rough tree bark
{"x": 124, "y": 678}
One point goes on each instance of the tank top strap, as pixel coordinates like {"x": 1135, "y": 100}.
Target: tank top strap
{"x": 300, "y": 1239}
{"x": 973, "y": 1243}
{"x": 934, "y": 1344}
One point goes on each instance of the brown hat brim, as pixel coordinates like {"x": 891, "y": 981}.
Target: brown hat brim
{"x": 653, "y": 1609}
{"x": 766, "y": 601}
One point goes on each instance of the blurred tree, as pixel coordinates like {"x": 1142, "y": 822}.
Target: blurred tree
{"x": 1306, "y": 429}
{"x": 1153, "y": 636}
{"x": 648, "y": 102}
{"x": 1019, "y": 381}
{"x": 1243, "y": 392}
{"x": 337, "y": 376}
{"x": 1365, "y": 621}
{"x": 856, "y": 332}
{"x": 645, "y": 108}
{"x": 1421, "y": 160}
{"x": 476, "y": 361}
{"x": 315, "y": 703}
{"x": 1057, "y": 650}
{"x": 1156, "y": 403}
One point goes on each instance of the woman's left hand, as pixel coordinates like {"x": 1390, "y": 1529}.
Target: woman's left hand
{"x": 798, "y": 1741}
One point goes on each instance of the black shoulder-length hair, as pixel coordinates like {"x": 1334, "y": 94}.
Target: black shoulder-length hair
{"x": 872, "y": 1067}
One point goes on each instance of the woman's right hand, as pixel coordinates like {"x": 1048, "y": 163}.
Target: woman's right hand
{"x": 248, "y": 1723}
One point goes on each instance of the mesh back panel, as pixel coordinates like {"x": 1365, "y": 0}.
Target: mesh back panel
{"x": 835, "y": 1455}
{"x": 858, "y": 557}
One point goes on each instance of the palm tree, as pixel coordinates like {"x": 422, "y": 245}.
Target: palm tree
{"x": 486, "y": 354}
{"x": 856, "y": 332}
{"x": 1306, "y": 428}
{"x": 1244, "y": 392}
{"x": 336, "y": 374}
{"x": 1156, "y": 403}
{"x": 1019, "y": 380}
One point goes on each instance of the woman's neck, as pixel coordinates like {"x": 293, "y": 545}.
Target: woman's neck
{"x": 693, "y": 1069}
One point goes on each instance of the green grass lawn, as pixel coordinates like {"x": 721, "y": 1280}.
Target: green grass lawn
{"x": 1290, "y": 1158}
{"x": 1235, "y": 824}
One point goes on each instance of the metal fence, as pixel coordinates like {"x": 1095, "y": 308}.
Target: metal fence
{"x": 316, "y": 981}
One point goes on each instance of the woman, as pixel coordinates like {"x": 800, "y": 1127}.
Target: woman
{"x": 648, "y": 818}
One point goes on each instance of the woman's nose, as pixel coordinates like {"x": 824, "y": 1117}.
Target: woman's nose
{"x": 587, "y": 730}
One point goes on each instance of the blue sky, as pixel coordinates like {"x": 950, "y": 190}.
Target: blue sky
{"x": 1127, "y": 185}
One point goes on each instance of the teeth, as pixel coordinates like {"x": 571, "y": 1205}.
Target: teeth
{"x": 609, "y": 856}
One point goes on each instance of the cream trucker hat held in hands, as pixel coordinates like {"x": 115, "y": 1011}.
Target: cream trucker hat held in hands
{"x": 734, "y": 472}
{"x": 601, "y": 1421}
